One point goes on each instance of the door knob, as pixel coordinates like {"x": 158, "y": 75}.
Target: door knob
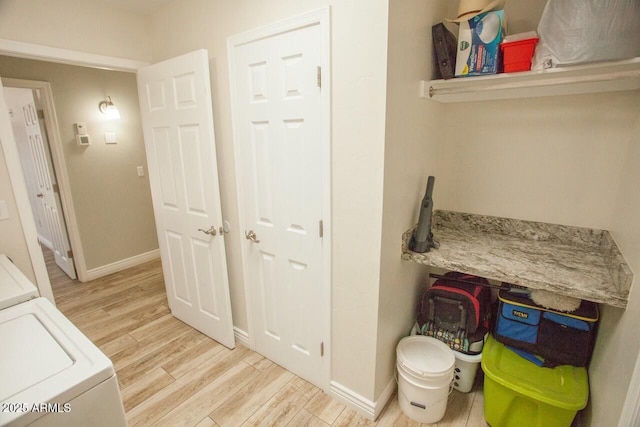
{"x": 251, "y": 235}
{"x": 211, "y": 231}
{"x": 40, "y": 195}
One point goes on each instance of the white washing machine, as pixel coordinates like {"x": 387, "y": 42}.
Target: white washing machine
{"x": 50, "y": 373}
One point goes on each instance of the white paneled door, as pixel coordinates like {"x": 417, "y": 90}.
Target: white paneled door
{"x": 277, "y": 126}
{"x": 177, "y": 120}
{"x": 42, "y": 180}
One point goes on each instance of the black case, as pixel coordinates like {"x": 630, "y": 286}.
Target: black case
{"x": 444, "y": 46}
{"x": 559, "y": 338}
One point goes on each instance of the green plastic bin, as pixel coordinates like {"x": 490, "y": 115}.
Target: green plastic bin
{"x": 518, "y": 393}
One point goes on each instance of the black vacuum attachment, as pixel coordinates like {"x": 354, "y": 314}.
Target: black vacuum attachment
{"x": 422, "y": 239}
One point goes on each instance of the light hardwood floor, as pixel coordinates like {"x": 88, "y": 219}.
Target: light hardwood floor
{"x": 172, "y": 375}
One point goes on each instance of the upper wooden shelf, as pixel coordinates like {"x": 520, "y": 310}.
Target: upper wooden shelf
{"x": 578, "y": 79}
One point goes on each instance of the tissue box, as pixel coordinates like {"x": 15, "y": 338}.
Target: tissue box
{"x": 479, "y": 40}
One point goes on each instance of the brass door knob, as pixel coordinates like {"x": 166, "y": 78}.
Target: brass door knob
{"x": 211, "y": 231}
{"x": 251, "y": 235}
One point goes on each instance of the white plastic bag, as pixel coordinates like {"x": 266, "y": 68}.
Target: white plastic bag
{"x": 578, "y": 31}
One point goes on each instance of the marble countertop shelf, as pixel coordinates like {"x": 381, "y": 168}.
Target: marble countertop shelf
{"x": 578, "y": 262}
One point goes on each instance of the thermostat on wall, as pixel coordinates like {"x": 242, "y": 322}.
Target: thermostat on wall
{"x": 81, "y": 128}
{"x": 82, "y": 137}
{"x": 83, "y": 140}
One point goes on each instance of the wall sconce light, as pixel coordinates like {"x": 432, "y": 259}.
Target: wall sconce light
{"x": 109, "y": 109}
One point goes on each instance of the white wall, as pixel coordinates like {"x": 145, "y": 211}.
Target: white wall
{"x": 553, "y": 159}
{"x": 87, "y": 26}
{"x": 358, "y": 44}
{"x": 618, "y": 346}
{"x": 413, "y": 128}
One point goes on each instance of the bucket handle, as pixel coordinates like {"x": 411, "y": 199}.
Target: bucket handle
{"x": 421, "y": 406}
{"x": 395, "y": 376}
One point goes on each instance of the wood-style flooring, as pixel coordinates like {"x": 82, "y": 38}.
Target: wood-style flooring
{"x": 172, "y": 375}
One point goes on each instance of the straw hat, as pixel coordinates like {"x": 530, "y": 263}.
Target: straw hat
{"x": 467, "y": 9}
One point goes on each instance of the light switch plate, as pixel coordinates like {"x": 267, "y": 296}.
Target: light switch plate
{"x": 110, "y": 138}
{"x": 140, "y": 170}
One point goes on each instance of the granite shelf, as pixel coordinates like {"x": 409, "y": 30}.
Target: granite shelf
{"x": 578, "y": 262}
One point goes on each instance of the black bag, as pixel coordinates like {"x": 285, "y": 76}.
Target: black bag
{"x": 558, "y": 338}
{"x": 445, "y": 47}
{"x": 456, "y": 310}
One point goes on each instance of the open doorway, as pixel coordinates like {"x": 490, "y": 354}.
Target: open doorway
{"x": 103, "y": 185}
{"x": 27, "y": 111}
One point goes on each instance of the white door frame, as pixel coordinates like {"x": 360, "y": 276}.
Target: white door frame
{"x": 59, "y": 166}
{"x": 19, "y": 186}
{"x": 66, "y": 56}
{"x": 318, "y": 17}
{"x": 63, "y": 56}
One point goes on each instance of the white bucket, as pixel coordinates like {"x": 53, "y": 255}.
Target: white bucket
{"x": 425, "y": 370}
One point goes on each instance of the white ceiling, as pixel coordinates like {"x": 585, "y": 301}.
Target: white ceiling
{"x": 139, "y": 7}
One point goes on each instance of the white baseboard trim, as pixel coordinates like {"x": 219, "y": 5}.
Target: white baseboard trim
{"x": 241, "y": 336}
{"x": 123, "y": 264}
{"x": 385, "y": 397}
{"x": 369, "y": 409}
{"x": 45, "y": 242}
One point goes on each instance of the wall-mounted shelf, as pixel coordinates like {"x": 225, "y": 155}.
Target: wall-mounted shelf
{"x": 577, "y": 262}
{"x": 578, "y": 79}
